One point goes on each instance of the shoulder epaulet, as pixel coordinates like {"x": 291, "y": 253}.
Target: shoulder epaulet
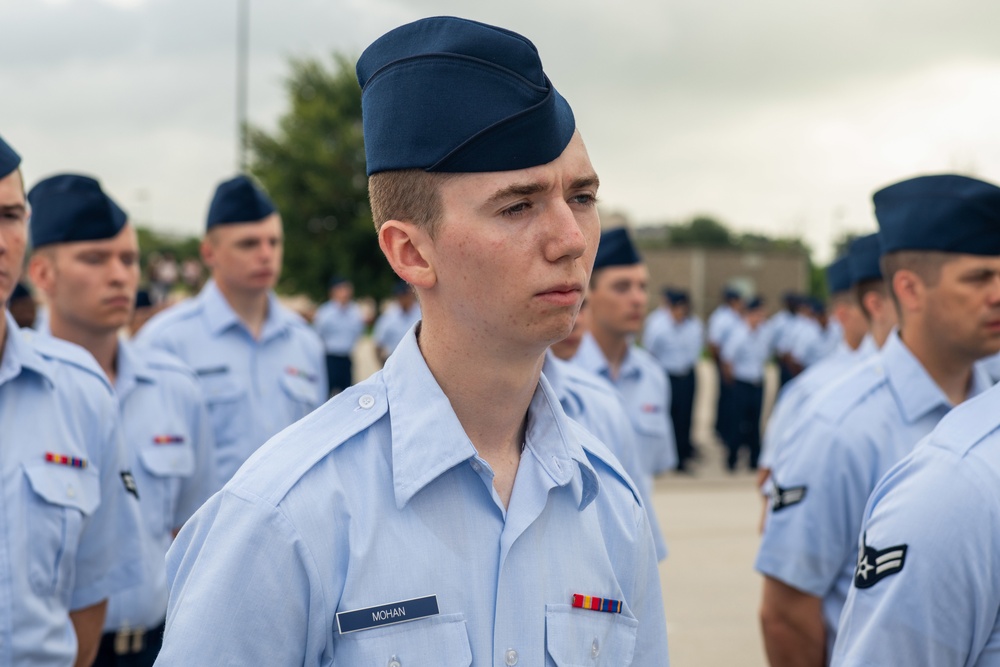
{"x": 294, "y": 451}
{"x": 849, "y": 390}
{"x": 61, "y": 351}
{"x": 595, "y": 449}
{"x": 579, "y": 376}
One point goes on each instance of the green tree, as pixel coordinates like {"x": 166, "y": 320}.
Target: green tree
{"x": 703, "y": 232}
{"x": 313, "y": 167}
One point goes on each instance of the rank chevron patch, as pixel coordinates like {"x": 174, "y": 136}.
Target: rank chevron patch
{"x": 874, "y": 565}
{"x": 786, "y": 497}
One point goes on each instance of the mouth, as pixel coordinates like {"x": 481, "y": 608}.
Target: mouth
{"x": 565, "y": 294}
{"x": 118, "y": 302}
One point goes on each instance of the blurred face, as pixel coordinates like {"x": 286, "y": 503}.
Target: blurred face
{"x": 567, "y": 347}
{"x": 680, "y": 311}
{"x": 90, "y": 285}
{"x": 341, "y": 293}
{"x": 756, "y": 317}
{"x": 618, "y": 299}
{"x": 245, "y": 257}
{"x": 852, "y": 320}
{"x": 963, "y": 309}
{"x": 13, "y": 232}
{"x": 513, "y": 251}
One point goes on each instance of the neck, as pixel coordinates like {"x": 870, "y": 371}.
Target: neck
{"x": 614, "y": 346}
{"x": 880, "y": 333}
{"x": 250, "y": 306}
{"x": 102, "y": 345}
{"x": 950, "y": 371}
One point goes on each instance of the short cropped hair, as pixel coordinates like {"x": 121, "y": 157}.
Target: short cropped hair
{"x": 411, "y": 195}
{"x": 925, "y": 263}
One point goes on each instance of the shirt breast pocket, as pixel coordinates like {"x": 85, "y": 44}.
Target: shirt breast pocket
{"x": 59, "y": 500}
{"x": 302, "y": 393}
{"x": 585, "y": 638}
{"x": 438, "y": 641}
{"x": 165, "y": 466}
{"x": 226, "y": 402}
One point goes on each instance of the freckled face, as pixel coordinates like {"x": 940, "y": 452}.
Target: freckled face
{"x": 514, "y": 250}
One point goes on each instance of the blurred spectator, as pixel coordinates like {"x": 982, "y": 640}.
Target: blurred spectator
{"x": 22, "y": 306}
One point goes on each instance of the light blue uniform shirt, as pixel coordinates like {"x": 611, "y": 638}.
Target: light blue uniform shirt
{"x": 780, "y": 324}
{"x": 991, "y": 366}
{"x": 796, "y": 395}
{"x": 747, "y": 350}
{"x": 392, "y": 325}
{"x": 721, "y": 323}
{"x": 69, "y": 533}
{"x": 253, "y": 388}
{"x": 937, "y": 602}
{"x": 867, "y": 422}
{"x": 169, "y": 438}
{"x": 676, "y": 345}
{"x": 379, "y": 498}
{"x": 594, "y": 403}
{"x": 339, "y": 326}
{"x": 645, "y": 394}
{"x": 813, "y": 343}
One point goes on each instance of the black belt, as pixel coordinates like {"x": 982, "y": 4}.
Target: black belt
{"x": 129, "y": 641}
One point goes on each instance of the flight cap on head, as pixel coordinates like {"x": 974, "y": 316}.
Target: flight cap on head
{"x": 446, "y": 94}
{"x": 755, "y": 303}
{"x": 676, "y": 297}
{"x": 863, "y": 259}
{"x": 71, "y": 207}
{"x": 838, "y": 275}
{"x": 947, "y": 213}
{"x": 9, "y": 159}
{"x": 238, "y": 200}
{"x": 616, "y": 249}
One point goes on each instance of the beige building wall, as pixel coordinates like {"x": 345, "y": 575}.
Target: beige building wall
{"x": 706, "y": 272}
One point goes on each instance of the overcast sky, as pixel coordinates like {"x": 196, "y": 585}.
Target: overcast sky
{"x": 776, "y": 116}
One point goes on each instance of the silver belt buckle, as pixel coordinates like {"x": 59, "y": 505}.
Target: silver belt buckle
{"x": 138, "y": 640}
{"x": 130, "y": 640}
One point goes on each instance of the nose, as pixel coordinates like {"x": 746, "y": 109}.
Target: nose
{"x": 566, "y": 234}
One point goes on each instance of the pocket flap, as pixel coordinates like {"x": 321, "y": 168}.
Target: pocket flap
{"x": 437, "y": 641}
{"x": 168, "y": 460}
{"x": 300, "y": 388}
{"x": 64, "y": 485}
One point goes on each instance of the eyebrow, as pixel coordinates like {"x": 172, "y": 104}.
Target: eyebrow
{"x": 13, "y": 208}
{"x": 527, "y": 189}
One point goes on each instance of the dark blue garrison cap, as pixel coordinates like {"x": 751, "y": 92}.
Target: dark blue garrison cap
{"x": 616, "y": 249}
{"x": 446, "y": 94}
{"x": 676, "y": 297}
{"x": 238, "y": 200}
{"x": 70, "y": 207}
{"x": 863, "y": 259}
{"x": 755, "y": 303}
{"x": 9, "y": 159}
{"x": 838, "y": 275}
{"x": 947, "y": 213}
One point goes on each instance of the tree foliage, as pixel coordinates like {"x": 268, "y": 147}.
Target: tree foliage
{"x": 313, "y": 166}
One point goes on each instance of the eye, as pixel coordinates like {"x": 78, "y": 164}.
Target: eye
{"x": 584, "y": 199}
{"x": 516, "y": 210}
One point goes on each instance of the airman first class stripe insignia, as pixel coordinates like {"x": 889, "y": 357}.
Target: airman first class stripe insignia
{"x": 597, "y": 604}
{"x": 63, "y": 460}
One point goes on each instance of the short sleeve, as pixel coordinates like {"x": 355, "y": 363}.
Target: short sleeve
{"x": 934, "y": 530}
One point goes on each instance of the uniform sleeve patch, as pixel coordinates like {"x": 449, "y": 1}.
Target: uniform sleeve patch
{"x": 874, "y": 565}
{"x": 787, "y": 496}
{"x": 129, "y": 481}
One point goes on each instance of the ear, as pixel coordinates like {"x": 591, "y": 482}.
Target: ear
{"x": 410, "y": 252}
{"x": 207, "y": 250}
{"x": 909, "y": 290}
{"x": 42, "y": 272}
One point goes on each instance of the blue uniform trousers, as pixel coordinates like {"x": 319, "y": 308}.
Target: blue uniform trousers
{"x": 682, "y": 389}
{"x": 744, "y": 422}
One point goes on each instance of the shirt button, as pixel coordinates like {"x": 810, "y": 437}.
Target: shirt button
{"x": 70, "y": 491}
{"x": 394, "y": 662}
{"x": 595, "y": 648}
{"x": 476, "y": 466}
{"x": 510, "y": 657}
{"x": 366, "y": 402}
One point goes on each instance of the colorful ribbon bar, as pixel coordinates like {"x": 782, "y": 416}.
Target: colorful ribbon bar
{"x": 64, "y": 460}
{"x": 298, "y": 372}
{"x": 597, "y": 604}
{"x": 168, "y": 439}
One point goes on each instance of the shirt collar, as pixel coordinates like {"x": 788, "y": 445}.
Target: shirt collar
{"x": 428, "y": 439}
{"x": 915, "y": 390}
{"x": 221, "y": 316}
{"x": 18, "y": 354}
{"x": 132, "y": 369}
{"x": 590, "y": 357}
